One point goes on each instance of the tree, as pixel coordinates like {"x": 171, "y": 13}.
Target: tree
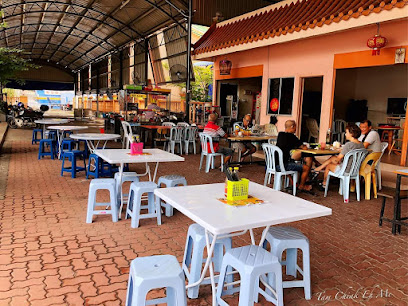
{"x": 199, "y": 88}
{"x": 2, "y": 23}
{"x": 11, "y": 63}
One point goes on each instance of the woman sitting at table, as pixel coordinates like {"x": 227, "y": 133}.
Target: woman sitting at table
{"x": 270, "y": 128}
{"x": 333, "y": 164}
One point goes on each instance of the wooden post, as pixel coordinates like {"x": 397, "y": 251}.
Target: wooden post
{"x": 404, "y": 149}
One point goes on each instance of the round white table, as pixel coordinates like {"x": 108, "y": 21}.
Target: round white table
{"x": 93, "y": 139}
{"x": 60, "y": 129}
{"x": 50, "y": 121}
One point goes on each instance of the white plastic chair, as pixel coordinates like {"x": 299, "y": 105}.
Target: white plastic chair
{"x": 357, "y": 156}
{"x": 274, "y": 157}
{"x": 190, "y": 138}
{"x": 185, "y": 124}
{"x": 127, "y": 135}
{"x": 175, "y": 138}
{"x": 168, "y": 124}
{"x": 339, "y": 130}
{"x": 313, "y": 128}
{"x": 272, "y": 141}
{"x": 384, "y": 146}
{"x": 207, "y": 149}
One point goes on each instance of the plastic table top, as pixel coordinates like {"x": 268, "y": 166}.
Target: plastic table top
{"x": 52, "y": 121}
{"x": 122, "y": 156}
{"x": 67, "y": 127}
{"x": 95, "y": 136}
{"x": 200, "y": 203}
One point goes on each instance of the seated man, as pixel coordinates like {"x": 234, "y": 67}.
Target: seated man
{"x": 369, "y": 137}
{"x": 216, "y": 132}
{"x": 246, "y": 147}
{"x": 288, "y": 142}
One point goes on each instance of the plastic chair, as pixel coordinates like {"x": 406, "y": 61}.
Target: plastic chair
{"x": 339, "y": 130}
{"x": 273, "y": 159}
{"x": 272, "y": 141}
{"x": 168, "y": 124}
{"x": 345, "y": 175}
{"x": 170, "y": 181}
{"x": 313, "y": 128}
{"x": 190, "y": 134}
{"x": 384, "y": 146}
{"x": 183, "y": 124}
{"x": 290, "y": 239}
{"x": 35, "y": 138}
{"x": 51, "y": 144}
{"x": 207, "y": 150}
{"x": 72, "y": 157}
{"x": 127, "y": 134}
{"x": 252, "y": 262}
{"x": 102, "y": 184}
{"x": 134, "y": 203}
{"x": 367, "y": 170}
{"x": 175, "y": 138}
{"x": 194, "y": 256}
{"x": 154, "y": 272}
{"x": 68, "y": 145}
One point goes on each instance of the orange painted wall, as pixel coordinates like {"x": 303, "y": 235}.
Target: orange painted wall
{"x": 317, "y": 57}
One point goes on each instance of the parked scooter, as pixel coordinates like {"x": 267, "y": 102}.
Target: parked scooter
{"x": 18, "y": 116}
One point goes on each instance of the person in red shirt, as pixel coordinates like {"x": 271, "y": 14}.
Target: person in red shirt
{"x": 216, "y": 132}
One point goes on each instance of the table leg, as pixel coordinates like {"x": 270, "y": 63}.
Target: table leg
{"x": 60, "y": 136}
{"x": 155, "y": 172}
{"x": 212, "y": 277}
{"x": 396, "y": 204}
{"x": 390, "y": 138}
{"x": 120, "y": 189}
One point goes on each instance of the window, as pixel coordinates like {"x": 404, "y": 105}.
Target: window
{"x": 280, "y": 96}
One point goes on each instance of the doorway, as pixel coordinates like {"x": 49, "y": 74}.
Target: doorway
{"x": 311, "y": 108}
{"x": 227, "y": 90}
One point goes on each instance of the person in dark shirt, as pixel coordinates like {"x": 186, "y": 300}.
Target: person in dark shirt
{"x": 288, "y": 143}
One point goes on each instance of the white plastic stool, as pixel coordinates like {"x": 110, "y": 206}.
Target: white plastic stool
{"x": 290, "y": 239}
{"x": 161, "y": 271}
{"x": 194, "y": 253}
{"x": 252, "y": 262}
{"x": 135, "y": 199}
{"x": 171, "y": 181}
{"x": 100, "y": 184}
{"x": 126, "y": 177}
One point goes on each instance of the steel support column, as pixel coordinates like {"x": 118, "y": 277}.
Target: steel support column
{"x": 188, "y": 85}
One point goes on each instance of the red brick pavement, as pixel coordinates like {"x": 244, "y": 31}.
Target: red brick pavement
{"x": 50, "y": 256}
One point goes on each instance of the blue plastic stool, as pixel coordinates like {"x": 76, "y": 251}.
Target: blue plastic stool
{"x": 290, "y": 239}
{"x": 171, "y": 181}
{"x": 67, "y": 145}
{"x": 153, "y": 272}
{"x": 134, "y": 203}
{"x": 194, "y": 256}
{"x": 126, "y": 177}
{"x": 35, "y": 139}
{"x": 85, "y": 150}
{"x": 95, "y": 169}
{"x": 72, "y": 157}
{"x": 52, "y": 135}
{"x": 252, "y": 262}
{"x": 102, "y": 184}
{"x": 66, "y": 134}
{"x": 51, "y": 144}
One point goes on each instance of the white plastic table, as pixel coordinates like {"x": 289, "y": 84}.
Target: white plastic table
{"x": 93, "y": 139}
{"x": 122, "y": 157}
{"x": 200, "y": 203}
{"x": 45, "y": 122}
{"x": 60, "y": 129}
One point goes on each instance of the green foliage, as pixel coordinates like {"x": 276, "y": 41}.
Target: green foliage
{"x": 199, "y": 88}
{"x": 11, "y": 63}
{"x": 3, "y": 24}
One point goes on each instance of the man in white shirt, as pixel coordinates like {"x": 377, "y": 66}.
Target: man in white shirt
{"x": 369, "y": 137}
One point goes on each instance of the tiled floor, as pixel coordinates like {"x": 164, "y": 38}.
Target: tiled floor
{"x": 50, "y": 256}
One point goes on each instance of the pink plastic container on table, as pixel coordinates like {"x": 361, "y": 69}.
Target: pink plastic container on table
{"x": 136, "y": 148}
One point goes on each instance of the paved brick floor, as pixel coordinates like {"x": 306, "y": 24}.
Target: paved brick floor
{"x": 50, "y": 256}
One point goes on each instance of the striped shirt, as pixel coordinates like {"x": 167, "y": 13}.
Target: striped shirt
{"x": 215, "y": 132}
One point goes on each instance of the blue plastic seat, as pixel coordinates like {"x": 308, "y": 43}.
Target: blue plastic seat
{"x": 154, "y": 272}
{"x": 98, "y": 168}
{"x": 72, "y": 156}
{"x": 290, "y": 239}
{"x": 171, "y": 181}
{"x": 52, "y": 135}
{"x": 47, "y": 143}
{"x": 251, "y": 262}
{"x": 194, "y": 256}
{"x": 67, "y": 145}
{"x": 35, "y": 139}
{"x": 134, "y": 207}
{"x": 102, "y": 184}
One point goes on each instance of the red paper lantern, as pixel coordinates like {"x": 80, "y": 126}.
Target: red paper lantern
{"x": 274, "y": 105}
{"x": 225, "y": 67}
{"x": 377, "y": 42}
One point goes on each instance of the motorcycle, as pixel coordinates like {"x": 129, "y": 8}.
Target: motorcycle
{"x": 18, "y": 116}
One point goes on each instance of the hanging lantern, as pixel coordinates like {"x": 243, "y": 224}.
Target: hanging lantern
{"x": 225, "y": 67}
{"x": 377, "y": 42}
{"x": 274, "y": 105}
